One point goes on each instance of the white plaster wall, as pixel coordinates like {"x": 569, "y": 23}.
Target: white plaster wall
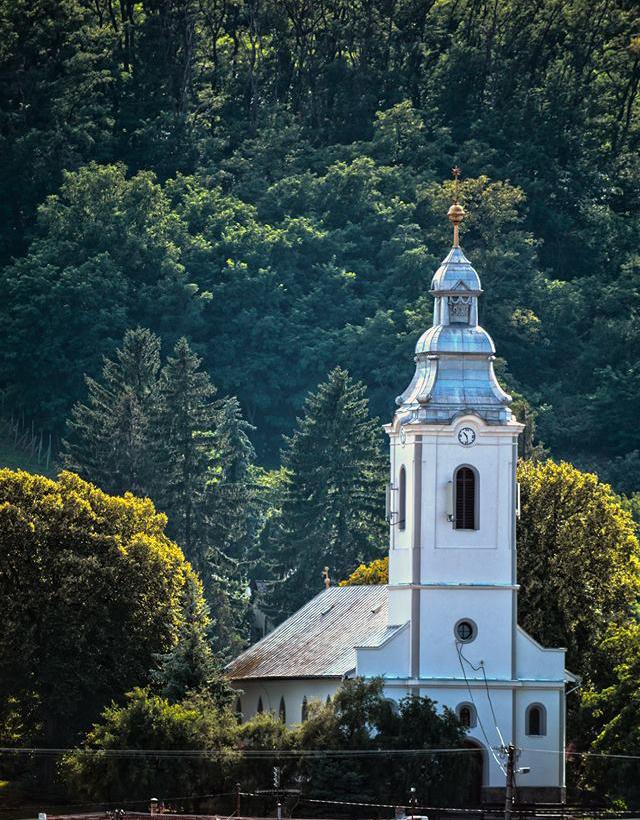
{"x": 535, "y": 662}
{"x": 292, "y": 690}
{"x": 490, "y": 609}
{"x": 542, "y": 753}
{"x": 472, "y": 556}
{"x": 447, "y": 554}
{"x": 399, "y": 605}
{"x": 400, "y": 540}
{"x": 391, "y": 659}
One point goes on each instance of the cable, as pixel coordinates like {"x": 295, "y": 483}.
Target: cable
{"x": 489, "y": 746}
{"x": 289, "y": 754}
{"x": 245, "y": 753}
{"x": 481, "y": 668}
{"x": 493, "y": 714}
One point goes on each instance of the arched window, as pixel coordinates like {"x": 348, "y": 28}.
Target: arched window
{"x": 239, "y": 708}
{"x": 402, "y": 499}
{"x": 260, "y": 706}
{"x": 467, "y": 715}
{"x": 283, "y": 711}
{"x": 536, "y": 719}
{"x": 305, "y": 709}
{"x": 466, "y": 513}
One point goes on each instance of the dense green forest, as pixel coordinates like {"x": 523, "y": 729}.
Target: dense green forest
{"x": 265, "y": 179}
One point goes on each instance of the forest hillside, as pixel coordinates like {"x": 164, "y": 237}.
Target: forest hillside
{"x": 266, "y": 179}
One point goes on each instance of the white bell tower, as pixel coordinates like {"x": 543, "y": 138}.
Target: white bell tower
{"x": 453, "y": 505}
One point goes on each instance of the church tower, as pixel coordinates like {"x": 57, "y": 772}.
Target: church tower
{"x": 452, "y": 508}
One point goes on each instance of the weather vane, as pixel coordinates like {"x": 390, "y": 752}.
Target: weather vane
{"x": 456, "y": 211}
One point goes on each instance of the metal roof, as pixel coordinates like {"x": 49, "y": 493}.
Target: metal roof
{"x": 454, "y": 358}
{"x": 455, "y": 274}
{"x": 319, "y": 639}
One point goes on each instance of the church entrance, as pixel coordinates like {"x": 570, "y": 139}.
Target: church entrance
{"x": 474, "y": 765}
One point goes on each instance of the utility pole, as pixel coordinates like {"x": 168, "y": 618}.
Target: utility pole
{"x": 508, "y": 801}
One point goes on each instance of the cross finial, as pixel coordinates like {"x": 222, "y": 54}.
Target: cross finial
{"x": 456, "y": 171}
{"x": 327, "y": 580}
{"x": 456, "y": 211}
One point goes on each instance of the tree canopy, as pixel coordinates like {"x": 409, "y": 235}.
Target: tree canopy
{"x": 92, "y": 591}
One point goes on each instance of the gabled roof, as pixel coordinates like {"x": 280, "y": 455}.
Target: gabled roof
{"x": 319, "y": 639}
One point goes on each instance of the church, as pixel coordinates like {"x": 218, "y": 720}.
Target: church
{"x": 445, "y": 626}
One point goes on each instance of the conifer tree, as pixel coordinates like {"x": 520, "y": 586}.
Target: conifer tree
{"x": 231, "y": 515}
{"x": 333, "y": 510}
{"x": 110, "y": 437}
{"x": 185, "y": 429}
{"x": 191, "y": 664}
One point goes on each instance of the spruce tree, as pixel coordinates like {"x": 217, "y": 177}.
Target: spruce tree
{"x": 191, "y": 664}
{"x": 333, "y": 513}
{"x": 203, "y": 457}
{"x": 109, "y": 439}
{"x": 185, "y": 429}
{"x": 231, "y": 513}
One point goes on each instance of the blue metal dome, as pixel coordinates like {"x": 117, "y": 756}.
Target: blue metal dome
{"x": 454, "y": 358}
{"x": 455, "y": 274}
{"x": 455, "y": 339}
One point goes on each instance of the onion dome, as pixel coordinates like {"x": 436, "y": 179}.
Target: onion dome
{"x": 454, "y": 358}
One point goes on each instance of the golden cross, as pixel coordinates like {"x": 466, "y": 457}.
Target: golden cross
{"x": 456, "y": 171}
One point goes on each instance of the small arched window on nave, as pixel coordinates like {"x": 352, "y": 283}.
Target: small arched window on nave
{"x": 305, "y": 709}
{"x": 282, "y": 712}
{"x": 260, "y": 709}
{"x": 536, "y": 720}
{"x": 467, "y": 715}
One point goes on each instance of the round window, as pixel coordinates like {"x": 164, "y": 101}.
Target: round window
{"x": 465, "y": 631}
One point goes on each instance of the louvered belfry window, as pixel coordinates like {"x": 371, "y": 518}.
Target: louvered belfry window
{"x": 465, "y": 499}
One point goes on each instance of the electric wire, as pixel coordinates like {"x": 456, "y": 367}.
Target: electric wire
{"x": 287, "y": 754}
{"x": 484, "y": 734}
{"x": 291, "y": 754}
{"x": 481, "y": 668}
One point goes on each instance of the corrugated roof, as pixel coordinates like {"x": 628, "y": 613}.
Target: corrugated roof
{"x": 319, "y": 639}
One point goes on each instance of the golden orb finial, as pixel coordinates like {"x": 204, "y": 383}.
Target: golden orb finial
{"x": 456, "y": 212}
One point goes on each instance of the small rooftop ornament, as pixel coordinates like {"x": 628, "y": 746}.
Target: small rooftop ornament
{"x": 327, "y": 580}
{"x": 456, "y": 212}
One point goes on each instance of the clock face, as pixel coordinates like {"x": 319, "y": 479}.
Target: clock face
{"x": 466, "y": 436}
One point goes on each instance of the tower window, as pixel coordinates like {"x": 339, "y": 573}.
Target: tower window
{"x": 465, "y": 501}
{"x": 536, "y": 720}
{"x": 305, "y": 709}
{"x": 465, "y": 631}
{"x": 402, "y": 499}
{"x": 459, "y": 307}
{"x": 282, "y": 711}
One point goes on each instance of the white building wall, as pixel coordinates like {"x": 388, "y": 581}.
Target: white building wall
{"x": 491, "y": 610}
{"x": 292, "y": 690}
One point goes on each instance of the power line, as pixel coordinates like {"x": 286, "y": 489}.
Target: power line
{"x": 244, "y": 753}
{"x": 287, "y": 754}
{"x": 487, "y": 741}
